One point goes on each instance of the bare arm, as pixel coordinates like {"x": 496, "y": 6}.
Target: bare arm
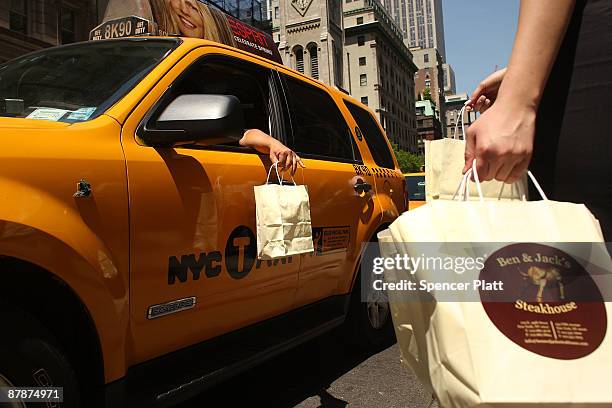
{"x": 501, "y": 140}
{"x": 278, "y": 152}
{"x": 542, "y": 25}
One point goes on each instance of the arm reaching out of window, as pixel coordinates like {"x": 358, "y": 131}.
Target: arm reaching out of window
{"x": 278, "y": 152}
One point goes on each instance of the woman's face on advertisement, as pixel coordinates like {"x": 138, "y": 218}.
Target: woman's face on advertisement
{"x": 188, "y": 17}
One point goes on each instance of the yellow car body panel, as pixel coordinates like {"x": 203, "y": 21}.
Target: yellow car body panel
{"x": 42, "y": 223}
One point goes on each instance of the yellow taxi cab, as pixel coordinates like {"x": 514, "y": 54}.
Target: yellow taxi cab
{"x": 127, "y": 217}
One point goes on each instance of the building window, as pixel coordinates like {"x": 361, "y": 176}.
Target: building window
{"x": 18, "y": 18}
{"x": 276, "y": 12}
{"x": 364, "y": 100}
{"x": 426, "y": 58}
{"x": 363, "y": 79}
{"x": 299, "y": 59}
{"x": 67, "y": 25}
{"x": 359, "y": 20}
{"x": 427, "y": 83}
{"x": 314, "y": 60}
{"x": 362, "y": 61}
{"x": 360, "y": 40}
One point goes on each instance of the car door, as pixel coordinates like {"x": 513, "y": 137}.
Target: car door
{"x": 194, "y": 272}
{"x": 390, "y": 184}
{"x": 341, "y": 192}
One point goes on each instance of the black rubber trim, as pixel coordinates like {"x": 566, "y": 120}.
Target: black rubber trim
{"x": 181, "y": 375}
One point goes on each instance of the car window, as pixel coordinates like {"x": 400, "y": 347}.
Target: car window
{"x": 78, "y": 82}
{"x": 319, "y": 129}
{"x": 373, "y": 136}
{"x": 251, "y": 84}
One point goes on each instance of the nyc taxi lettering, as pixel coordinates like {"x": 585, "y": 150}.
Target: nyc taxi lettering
{"x": 240, "y": 257}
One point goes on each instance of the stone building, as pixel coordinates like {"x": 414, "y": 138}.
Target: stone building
{"x": 450, "y": 85}
{"x": 380, "y": 71}
{"x": 30, "y": 25}
{"x": 454, "y": 103}
{"x": 310, "y": 37}
{"x": 430, "y": 79}
{"x": 428, "y": 124}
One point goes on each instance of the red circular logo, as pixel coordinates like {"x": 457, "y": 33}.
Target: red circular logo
{"x": 557, "y": 309}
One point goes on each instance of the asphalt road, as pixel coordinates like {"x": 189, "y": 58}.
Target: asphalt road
{"x": 322, "y": 373}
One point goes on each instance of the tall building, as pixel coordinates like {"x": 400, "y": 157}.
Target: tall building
{"x": 380, "y": 70}
{"x": 252, "y": 12}
{"x": 450, "y": 87}
{"x": 421, "y": 21}
{"x": 310, "y": 37}
{"x": 30, "y": 25}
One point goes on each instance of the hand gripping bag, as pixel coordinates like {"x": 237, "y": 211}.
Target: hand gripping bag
{"x": 444, "y": 161}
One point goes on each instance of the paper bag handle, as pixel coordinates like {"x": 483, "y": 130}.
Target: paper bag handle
{"x": 460, "y": 118}
{"x": 521, "y": 195}
{"x": 464, "y": 188}
{"x": 464, "y": 184}
{"x": 275, "y": 165}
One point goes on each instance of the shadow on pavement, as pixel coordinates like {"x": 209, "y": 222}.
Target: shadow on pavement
{"x": 287, "y": 380}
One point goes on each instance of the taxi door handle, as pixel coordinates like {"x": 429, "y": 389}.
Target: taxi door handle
{"x": 363, "y": 187}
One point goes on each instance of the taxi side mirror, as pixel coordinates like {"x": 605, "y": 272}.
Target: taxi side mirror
{"x": 196, "y": 119}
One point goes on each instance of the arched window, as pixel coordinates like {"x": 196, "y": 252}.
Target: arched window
{"x": 314, "y": 60}
{"x": 298, "y": 51}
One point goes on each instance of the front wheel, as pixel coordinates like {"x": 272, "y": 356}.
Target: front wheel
{"x": 31, "y": 357}
{"x": 369, "y": 323}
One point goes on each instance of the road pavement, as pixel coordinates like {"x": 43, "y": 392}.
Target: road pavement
{"x": 322, "y": 373}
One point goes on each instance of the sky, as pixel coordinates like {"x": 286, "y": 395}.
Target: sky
{"x": 478, "y": 35}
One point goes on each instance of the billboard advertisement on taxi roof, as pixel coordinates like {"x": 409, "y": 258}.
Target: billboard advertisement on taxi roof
{"x": 186, "y": 18}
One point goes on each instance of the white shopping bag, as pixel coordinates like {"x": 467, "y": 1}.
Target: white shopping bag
{"x": 283, "y": 219}
{"x": 444, "y": 160}
{"x": 527, "y": 352}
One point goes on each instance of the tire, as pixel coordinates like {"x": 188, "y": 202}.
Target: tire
{"x": 31, "y": 357}
{"x": 369, "y": 324}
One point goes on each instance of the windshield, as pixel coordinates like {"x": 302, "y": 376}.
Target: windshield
{"x": 77, "y": 82}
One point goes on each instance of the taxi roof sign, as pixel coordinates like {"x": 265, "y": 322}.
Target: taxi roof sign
{"x": 122, "y": 27}
{"x": 167, "y": 17}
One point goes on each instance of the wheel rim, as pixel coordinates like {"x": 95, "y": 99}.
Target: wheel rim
{"x": 4, "y": 382}
{"x": 378, "y": 313}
